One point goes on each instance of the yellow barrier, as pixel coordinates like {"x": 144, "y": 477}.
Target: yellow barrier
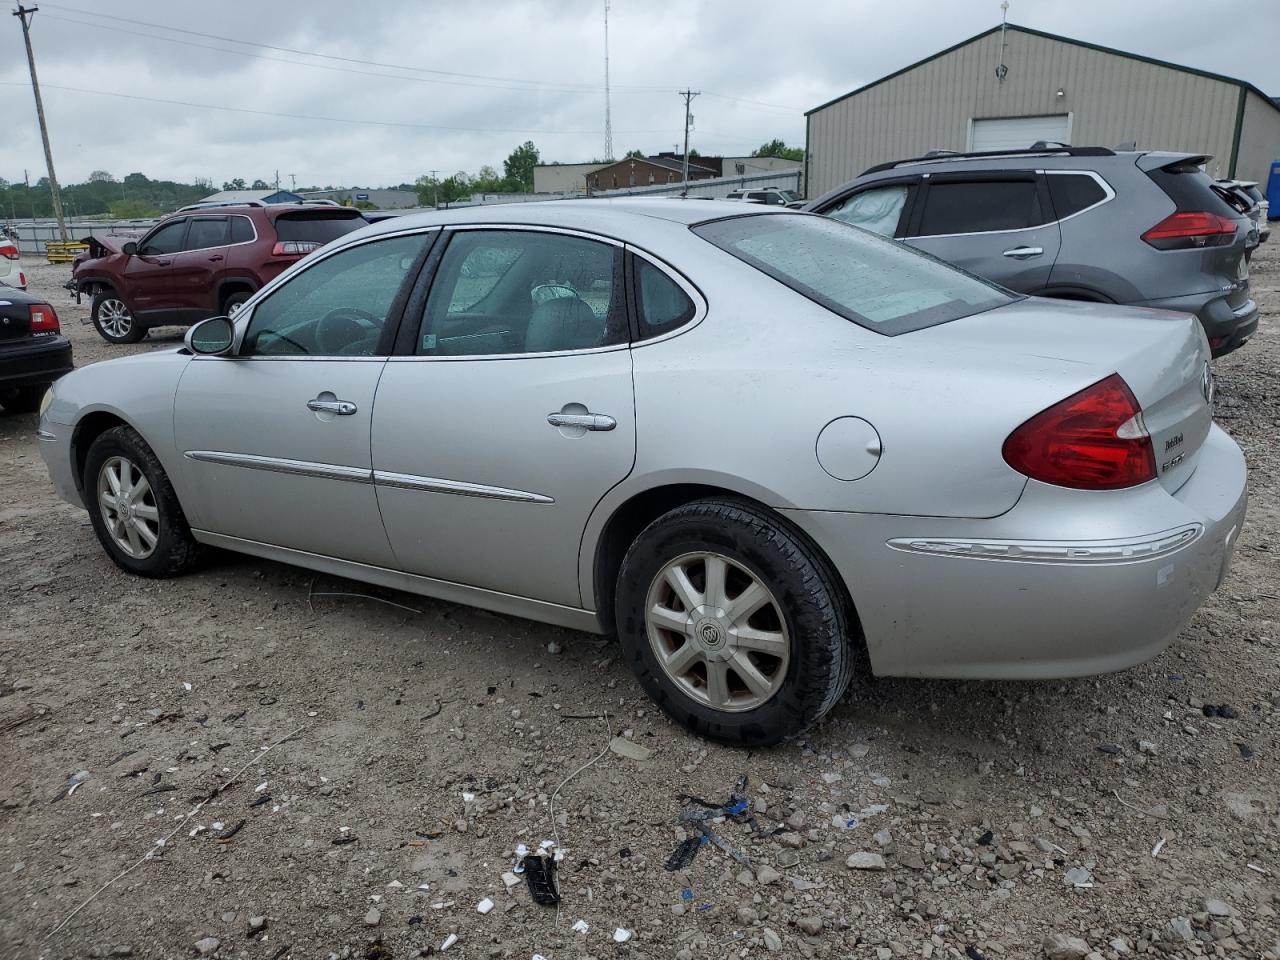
{"x": 57, "y": 251}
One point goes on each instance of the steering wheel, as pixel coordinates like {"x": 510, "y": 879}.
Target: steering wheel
{"x": 344, "y": 326}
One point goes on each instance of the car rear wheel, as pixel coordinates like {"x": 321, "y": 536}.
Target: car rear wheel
{"x": 133, "y": 507}
{"x": 23, "y": 399}
{"x": 113, "y": 319}
{"x": 733, "y": 623}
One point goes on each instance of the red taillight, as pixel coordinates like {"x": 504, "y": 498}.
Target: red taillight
{"x": 293, "y": 248}
{"x": 9, "y": 251}
{"x": 22, "y": 280}
{"x": 1185, "y": 229}
{"x": 1093, "y": 440}
{"x": 44, "y": 319}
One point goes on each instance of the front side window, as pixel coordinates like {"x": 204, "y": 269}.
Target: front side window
{"x": 876, "y": 283}
{"x": 207, "y": 232}
{"x": 878, "y": 209}
{"x": 980, "y": 206}
{"x": 517, "y": 291}
{"x": 168, "y": 239}
{"x": 338, "y": 307}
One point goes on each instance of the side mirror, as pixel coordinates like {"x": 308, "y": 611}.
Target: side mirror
{"x": 212, "y": 338}
{"x": 129, "y": 249}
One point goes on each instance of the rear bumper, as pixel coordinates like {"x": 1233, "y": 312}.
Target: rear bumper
{"x": 1067, "y": 583}
{"x": 40, "y": 361}
{"x": 1227, "y": 328}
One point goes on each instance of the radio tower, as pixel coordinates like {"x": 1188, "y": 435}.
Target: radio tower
{"x": 608, "y": 119}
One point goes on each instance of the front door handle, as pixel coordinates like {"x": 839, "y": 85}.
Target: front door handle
{"x": 343, "y": 408}
{"x": 216, "y": 258}
{"x": 588, "y": 421}
{"x": 1024, "y": 253}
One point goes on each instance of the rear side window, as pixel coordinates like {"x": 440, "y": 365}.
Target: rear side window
{"x": 878, "y": 209}
{"x": 664, "y": 306}
{"x": 1073, "y": 192}
{"x": 876, "y": 283}
{"x": 241, "y": 230}
{"x": 1191, "y": 189}
{"x": 207, "y": 232}
{"x": 980, "y": 206}
{"x": 313, "y": 228}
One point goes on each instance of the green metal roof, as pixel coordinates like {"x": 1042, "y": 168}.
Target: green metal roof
{"x": 1245, "y": 85}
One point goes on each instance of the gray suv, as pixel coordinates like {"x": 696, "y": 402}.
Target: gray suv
{"x": 1141, "y": 228}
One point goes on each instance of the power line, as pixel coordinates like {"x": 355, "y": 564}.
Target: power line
{"x": 305, "y": 116}
{"x": 495, "y": 83}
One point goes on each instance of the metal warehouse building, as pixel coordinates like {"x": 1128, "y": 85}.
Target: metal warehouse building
{"x": 1011, "y": 86}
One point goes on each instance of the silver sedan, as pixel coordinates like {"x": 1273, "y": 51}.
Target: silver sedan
{"x": 750, "y": 442}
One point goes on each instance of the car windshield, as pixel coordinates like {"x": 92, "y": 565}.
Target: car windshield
{"x": 876, "y": 283}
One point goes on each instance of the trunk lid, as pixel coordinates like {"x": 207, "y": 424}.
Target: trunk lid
{"x": 1162, "y": 356}
{"x": 15, "y": 318}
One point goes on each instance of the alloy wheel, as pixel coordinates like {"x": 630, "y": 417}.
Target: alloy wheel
{"x": 128, "y": 506}
{"x": 114, "y": 317}
{"x": 717, "y": 631}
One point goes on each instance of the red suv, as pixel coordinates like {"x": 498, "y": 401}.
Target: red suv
{"x": 201, "y": 262}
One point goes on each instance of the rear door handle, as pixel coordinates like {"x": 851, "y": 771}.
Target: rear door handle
{"x": 1024, "y": 253}
{"x": 589, "y": 421}
{"x": 216, "y": 258}
{"x": 343, "y": 408}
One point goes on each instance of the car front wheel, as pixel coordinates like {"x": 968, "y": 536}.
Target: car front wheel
{"x": 733, "y": 623}
{"x": 113, "y": 319}
{"x": 133, "y": 507}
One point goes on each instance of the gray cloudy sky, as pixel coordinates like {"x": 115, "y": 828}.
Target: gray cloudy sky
{"x": 759, "y": 65}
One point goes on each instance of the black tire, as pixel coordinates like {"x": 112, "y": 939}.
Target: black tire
{"x": 118, "y": 331}
{"x": 175, "y": 551}
{"x": 23, "y": 399}
{"x": 822, "y": 651}
{"x": 234, "y": 300}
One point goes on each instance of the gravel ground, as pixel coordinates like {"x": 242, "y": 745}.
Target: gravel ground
{"x": 426, "y": 743}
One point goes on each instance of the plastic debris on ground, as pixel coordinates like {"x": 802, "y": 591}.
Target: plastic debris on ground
{"x": 622, "y": 935}
{"x": 630, "y": 749}
{"x": 737, "y": 808}
{"x": 449, "y": 941}
{"x": 69, "y": 787}
{"x": 484, "y": 906}
{"x": 580, "y": 926}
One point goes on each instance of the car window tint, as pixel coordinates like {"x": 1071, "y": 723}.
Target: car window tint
{"x": 207, "y": 232}
{"x": 878, "y": 209}
{"x": 168, "y": 239}
{"x": 663, "y": 304}
{"x": 338, "y": 306}
{"x": 875, "y": 282}
{"x": 1073, "y": 192}
{"x": 241, "y": 230}
{"x": 317, "y": 228}
{"x": 978, "y": 206}
{"x": 513, "y": 291}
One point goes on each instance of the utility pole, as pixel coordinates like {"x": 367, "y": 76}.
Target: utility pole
{"x": 435, "y": 189}
{"x": 293, "y": 182}
{"x": 688, "y": 122}
{"x": 608, "y": 116}
{"x": 25, "y": 14}
{"x": 277, "y": 179}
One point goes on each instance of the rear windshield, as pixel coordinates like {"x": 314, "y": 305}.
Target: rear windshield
{"x": 317, "y": 227}
{"x": 877, "y": 283}
{"x": 1191, "y": 189}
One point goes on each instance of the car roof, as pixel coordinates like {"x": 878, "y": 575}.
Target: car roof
{"x": 14, "y": 295}
{"x": 596, "y": 213}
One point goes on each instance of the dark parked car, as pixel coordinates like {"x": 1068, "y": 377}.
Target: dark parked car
{"x": 33, "y": 351}
{"x": 1140, "y": 228}
{"x": 201, "y": 262}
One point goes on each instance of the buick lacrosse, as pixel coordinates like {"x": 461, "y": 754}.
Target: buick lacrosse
{"x": 751, "y": 442}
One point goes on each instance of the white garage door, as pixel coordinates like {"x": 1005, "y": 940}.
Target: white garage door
{"x": 1019, "y": 133}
